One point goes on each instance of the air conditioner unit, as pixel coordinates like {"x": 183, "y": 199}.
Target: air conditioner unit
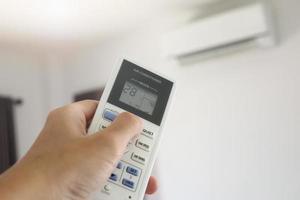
{"x": 250, "y": 23}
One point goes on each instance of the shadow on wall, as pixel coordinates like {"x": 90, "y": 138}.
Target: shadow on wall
{"x": 287, "y": 16}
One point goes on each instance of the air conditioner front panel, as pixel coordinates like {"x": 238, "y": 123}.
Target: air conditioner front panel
{"x": 230, "y": 27}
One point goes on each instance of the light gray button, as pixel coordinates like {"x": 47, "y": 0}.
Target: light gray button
{"x": 107, "y": 188}
{"x": 142, "y": 145}
{"x": 148, "y": 133}
{"x": 138, "y": 158}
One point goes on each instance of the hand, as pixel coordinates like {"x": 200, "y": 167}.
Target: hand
{"x": 65, "y": 162}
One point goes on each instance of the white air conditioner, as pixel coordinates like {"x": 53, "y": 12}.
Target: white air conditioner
{"x": 250, "y": 23}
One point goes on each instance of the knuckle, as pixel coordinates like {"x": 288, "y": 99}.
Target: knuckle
{"x": 132, "y": 120}
{"x": 53, "y": 114}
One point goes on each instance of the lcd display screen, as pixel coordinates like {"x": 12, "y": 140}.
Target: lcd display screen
{"x": 138, "y": 97}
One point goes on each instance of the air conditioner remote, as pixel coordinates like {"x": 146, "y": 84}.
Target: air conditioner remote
{"x": 146, "y": 94}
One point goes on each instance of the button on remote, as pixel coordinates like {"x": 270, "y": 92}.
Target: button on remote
{"x": 109, "y": 115}
{"x": 148, "y": 133}
{"x": 128, "y": 183}
{"x": 120, "y": 165}
{"x": 113, "y": 177}
{"x": 107, "y": 188}
{"x": 132, "y": 171}
{"x": 138, "y": 158}
{"x": 142, "y": 145}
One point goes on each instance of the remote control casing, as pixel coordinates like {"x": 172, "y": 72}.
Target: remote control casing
{"x": 130, "y": 178}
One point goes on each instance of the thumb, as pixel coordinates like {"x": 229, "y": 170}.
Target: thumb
{"x": 119, "y": 133}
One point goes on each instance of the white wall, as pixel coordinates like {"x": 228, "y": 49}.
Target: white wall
{"x": 233, "y": 131}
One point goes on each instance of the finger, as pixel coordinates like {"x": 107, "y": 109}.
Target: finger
{"x": 120, "y": 132}
{"x": 87, "y": 107}
{"x": 152, "y": 185}
{"x": 125, "y": 127}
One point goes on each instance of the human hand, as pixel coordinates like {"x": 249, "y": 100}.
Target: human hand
{"x": 65, "y": 162}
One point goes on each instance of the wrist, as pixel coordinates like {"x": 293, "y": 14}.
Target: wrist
{"x": 23, "y": 181}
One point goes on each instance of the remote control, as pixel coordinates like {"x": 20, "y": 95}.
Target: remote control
{"x": 133, "y": 89}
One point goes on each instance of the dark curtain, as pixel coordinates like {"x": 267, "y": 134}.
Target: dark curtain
{"x": 7, "y": 135}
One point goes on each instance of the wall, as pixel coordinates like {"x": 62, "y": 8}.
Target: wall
{"x": 21, "y": 76}
{"x": 233, "y": 131}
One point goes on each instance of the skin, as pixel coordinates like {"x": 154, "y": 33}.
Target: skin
{"x": 66, "y": 163}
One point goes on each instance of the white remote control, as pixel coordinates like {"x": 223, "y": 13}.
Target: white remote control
{"x": 146, "y": 94}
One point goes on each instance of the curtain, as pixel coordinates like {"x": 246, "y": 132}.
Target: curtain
{"x": 7, "y": 135}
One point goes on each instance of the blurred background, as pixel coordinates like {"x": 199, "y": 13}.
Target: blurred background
{"x": 233, "y": 131}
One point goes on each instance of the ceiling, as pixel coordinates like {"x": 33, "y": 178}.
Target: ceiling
{"x": 61, "y": 20}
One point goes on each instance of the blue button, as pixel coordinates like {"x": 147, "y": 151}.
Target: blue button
{"x": 113, "y": 177}
{"x": 120, "y": 165}
{"x": 132, "y": 171}
{"x": 128, "y": 183}
{"x": 110, "y": 115}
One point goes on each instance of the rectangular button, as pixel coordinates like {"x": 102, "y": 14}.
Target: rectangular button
{"x": 132, "y": 171}
{"x": 109, "y": 115}
{"x": 128, "y": 183}
{"x": 148, "y": 133}
{"x": 113, "y": 177}
{"x": 138, "y": 158}
{"x": 142, "y": 145}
